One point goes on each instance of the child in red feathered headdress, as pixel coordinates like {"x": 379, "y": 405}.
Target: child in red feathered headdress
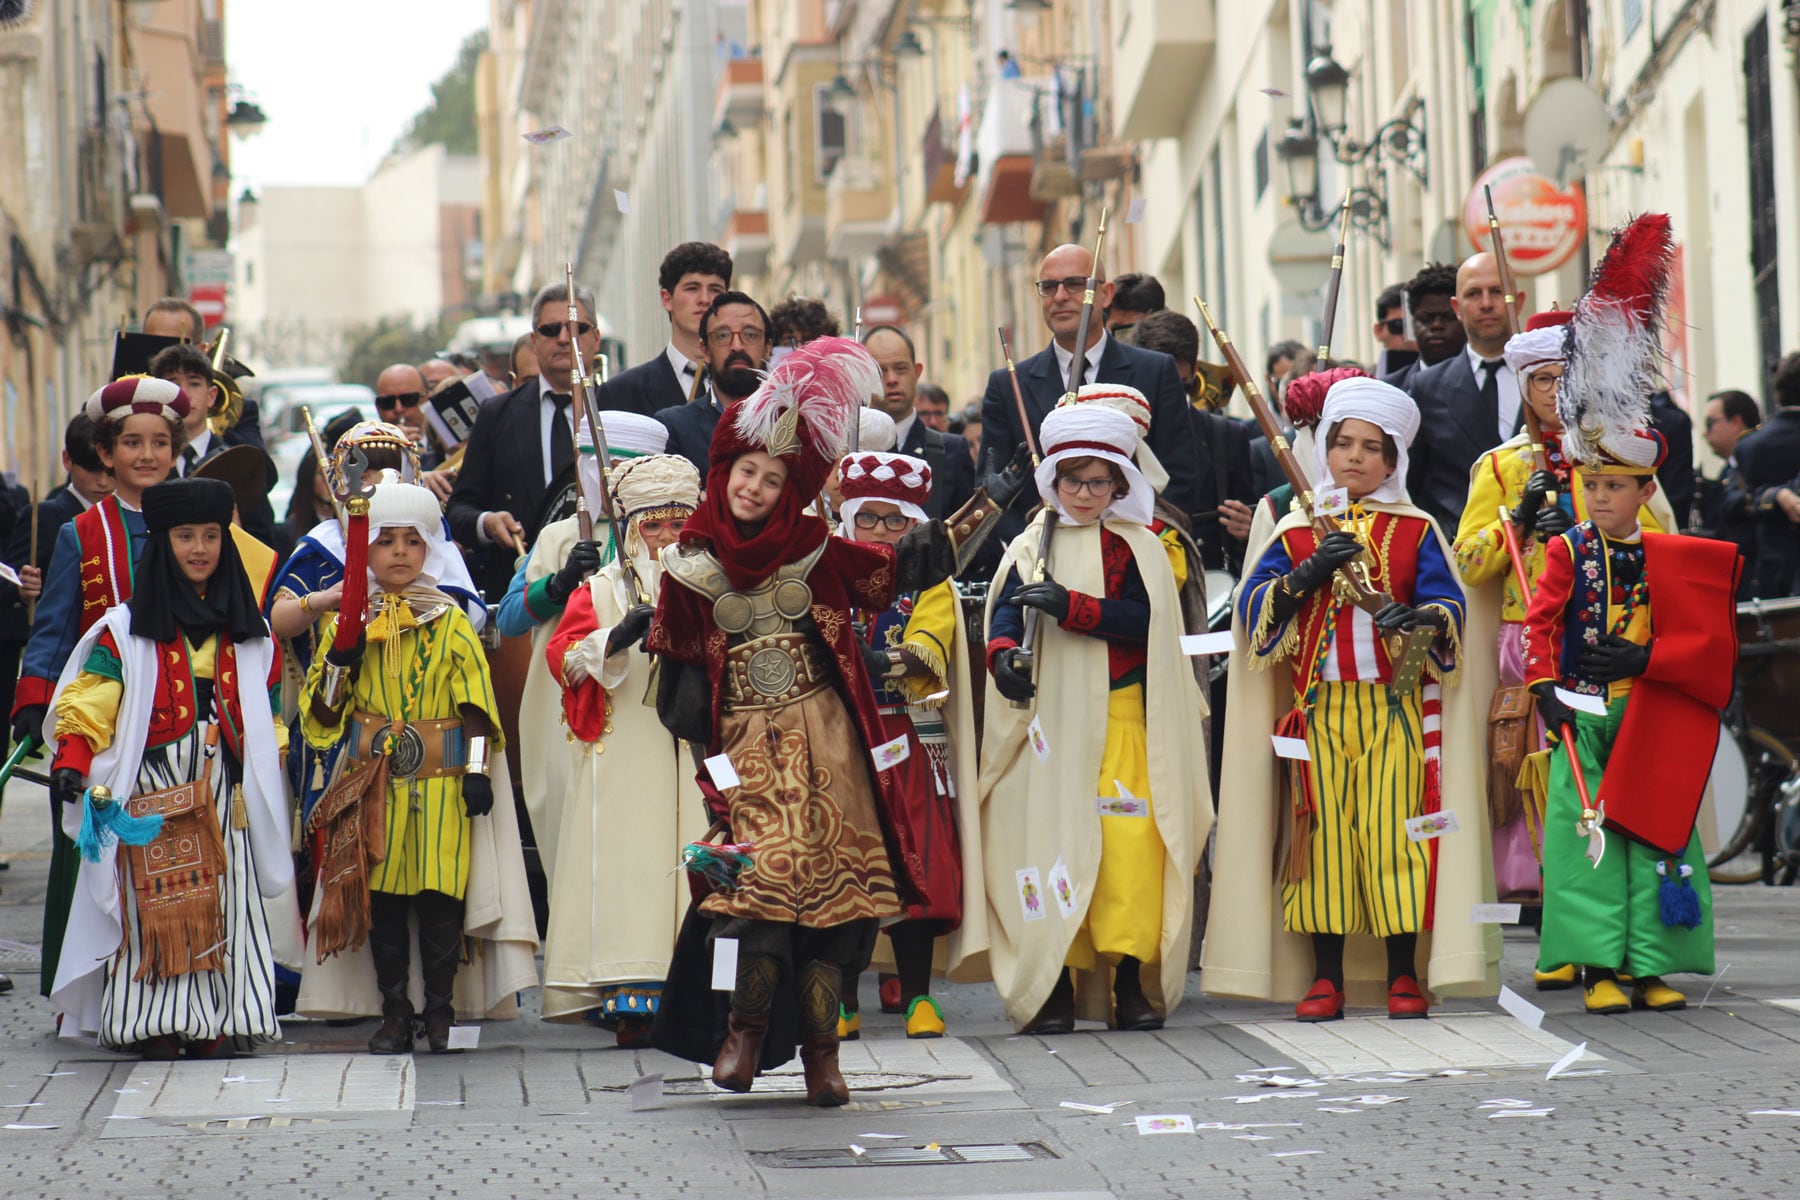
{"x": 765, "y": 670}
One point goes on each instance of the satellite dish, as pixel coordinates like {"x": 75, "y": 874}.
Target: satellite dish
{"x": 1568, "y": 129}
{"x": 1300, "y": 258}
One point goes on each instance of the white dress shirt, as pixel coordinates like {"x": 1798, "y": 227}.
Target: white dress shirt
{"x": 1063, "y": 357}
{"x": 902, "y": 428}
{"x": 1508, "y": 385}
{"x": 200, "y": 444}
{"x": 684, "y": 368}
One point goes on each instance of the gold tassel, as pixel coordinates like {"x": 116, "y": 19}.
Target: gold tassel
{"x": 240, "y": 812}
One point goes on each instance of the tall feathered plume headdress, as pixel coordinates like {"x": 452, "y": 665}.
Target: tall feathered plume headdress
{"x": 809, "y": 400}
{"x": 1615, "y": 340}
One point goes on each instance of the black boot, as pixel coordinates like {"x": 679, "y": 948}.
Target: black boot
{"x": 390, "y": 947}
{"x": 440, "y": 949}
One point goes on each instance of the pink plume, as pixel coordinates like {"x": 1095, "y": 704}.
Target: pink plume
{"x": 830, "y": 378}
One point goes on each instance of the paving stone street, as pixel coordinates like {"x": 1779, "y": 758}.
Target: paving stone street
{"x": 1699, "y": 1103}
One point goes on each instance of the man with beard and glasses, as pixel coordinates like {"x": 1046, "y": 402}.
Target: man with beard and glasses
{"x": 735, "y": 333}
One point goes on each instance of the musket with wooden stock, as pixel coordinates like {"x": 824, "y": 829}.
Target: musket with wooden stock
{"x": 1077, "y": 364}
{"x": 1540, "y": 461}
{"x": 582, "y": 386}
{"x": 1331, "y": 288}
{"x": 1406, "y": 650}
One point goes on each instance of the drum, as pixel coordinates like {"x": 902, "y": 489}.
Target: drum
{"x": 1730, "y": 784}
{"x": 1219, "y": 588}
{"x": 1768, "y": 673}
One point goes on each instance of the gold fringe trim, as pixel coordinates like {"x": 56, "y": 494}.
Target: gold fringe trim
{"x": 1452, "y": 632}
{"x": 1265, "y": 622}
{"x": 915, "y": 689}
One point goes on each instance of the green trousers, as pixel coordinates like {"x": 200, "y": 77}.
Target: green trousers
{"x": 1609, "y": 915}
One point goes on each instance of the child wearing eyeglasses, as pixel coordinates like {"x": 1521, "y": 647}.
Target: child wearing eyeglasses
{"x": 1090, "y": 842}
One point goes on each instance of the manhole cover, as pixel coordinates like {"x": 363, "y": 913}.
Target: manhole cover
{"x": 906, "y": 1156}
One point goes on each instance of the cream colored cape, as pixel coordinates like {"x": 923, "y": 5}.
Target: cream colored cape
{"x": 1247, "y": 952}
{"x": 958, "y": 713}
{"x": 549, "y": 759}
{"x": 1035, "y": 812}
{"x": 616, "y": 899}
{"x": 499, "y": 929}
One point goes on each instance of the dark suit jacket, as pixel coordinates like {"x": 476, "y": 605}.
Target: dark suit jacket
{"x": 1150, "y": 372}
{"x": 54, "y": 511}
{"x": 1768, "y": 459}
{"x": 1222, "y": 451}
{"x": 502, "y": 471}
{"x": 952, "y": 470}
{"x": 248, "y": 430}
{"x": 1676, "y": 478}
{"x": 691, "y": 429}
{"x": 1454, "y": 431}
{"x": 1402, "y": 377}
{"x": 647, "y": 388}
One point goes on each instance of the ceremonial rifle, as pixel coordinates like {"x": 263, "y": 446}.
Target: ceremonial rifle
{"x": 1406, "y": 650}
{"x": 1540, "y": 461}
{"x": 579, "y": 385}
{"x": 1331, "y": 288}
{"x": 1077, "y": 364}
{"x": 353, "y": 497}
{"x": 1012, "y": 374}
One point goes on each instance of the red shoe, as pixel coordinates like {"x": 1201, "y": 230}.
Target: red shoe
{"x": 890, "y": 994}
{"x": 633, "y": 1033}
{"x": 1405, "y": 1001}
{"x": 1325, "y": 1002}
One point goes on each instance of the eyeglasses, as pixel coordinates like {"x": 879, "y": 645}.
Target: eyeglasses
{"x": 1068, "y": 485}
{"x": 892, "y": 522}
{"x": 399, "y": 400}
{"x": 1545, "y": 383}
{"x": 722, "y": 337}
{"x": 1395, "y": 326}
{"x": 1074, "y": 285}
{"x": 553, "y": 329}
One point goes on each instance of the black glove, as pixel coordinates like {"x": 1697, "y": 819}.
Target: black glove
{"x": 631, "y": 627}
{"x": 1537, "y": 488}
{"x": 1003, "y": 484}
{"x": 66, "y": 785}
{"x": 478, "y": 795}
{"x": 28, "y": 723}
{"x": 1012, "y": 678}
{"x": 875, "y": 660}
{"x": 1613, "y": 659}
{"x": 583, "y": 560}
{"x": 350, "y": 657}
{"x": 1555, "y": 713}
{"x": 1047, "y": 596}
{"x": 1332, "y": 552}
{"x": 1397, "y": 617}
{"x": 1553, "y": 522}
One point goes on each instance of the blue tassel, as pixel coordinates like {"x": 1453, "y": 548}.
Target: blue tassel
{"x": 104, "y": 821}
{"x": 1677, "y": 901}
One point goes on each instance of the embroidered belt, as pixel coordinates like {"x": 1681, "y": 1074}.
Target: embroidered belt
{"x": 770, "y": 671}
{"x": 422, "y": 749}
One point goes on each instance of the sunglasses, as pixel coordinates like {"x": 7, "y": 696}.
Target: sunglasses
{"x": 1074, "y": 285}
{"x": 551, "y": 329}
{"x": 399, "y": 400}
{"x": 1395, "y": 326}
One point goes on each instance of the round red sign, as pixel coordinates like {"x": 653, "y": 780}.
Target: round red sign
{"x": 1541, "y": 224}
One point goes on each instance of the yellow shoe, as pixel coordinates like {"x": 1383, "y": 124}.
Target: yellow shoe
{"x": 1655, "y": 995}
{"x": 924, "y": 1019}
{"x": 849, "y": 1025}
{"x": 1561, "y": 979}
{"x": 1604, "y": 996}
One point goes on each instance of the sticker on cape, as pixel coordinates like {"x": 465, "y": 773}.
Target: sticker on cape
{"x": 724, "y": 775}
{"x": 1062, "y": 889}
{"x": 1031, "y": 893}
{"x": 1429, "y": 825}
{"x": 890, "y": 754}
{"x": 1040, "y": 746}
{"x": 1121, "y": 806}
{"x": 1206, "y": 643}
{"x": 1331, "y": 503}
{"x": 1294, "y": 748}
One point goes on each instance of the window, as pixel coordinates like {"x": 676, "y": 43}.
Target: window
{"x": 830, "y": 132}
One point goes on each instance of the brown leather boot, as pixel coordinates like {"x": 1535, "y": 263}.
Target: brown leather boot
{"x": 1058, "y": 1014}
{"x": 735, "y": 1070}
{"x": 825, "y": 1086}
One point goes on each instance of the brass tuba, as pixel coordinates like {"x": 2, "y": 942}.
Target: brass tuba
{"x": 228, "y": 409}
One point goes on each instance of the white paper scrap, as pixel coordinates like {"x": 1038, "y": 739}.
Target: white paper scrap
{"x": 1098, "y": 1110}
{"x": 857, "y": 1150}
{"x": 1521, "y": 1112}
{"x": 646, "y": 1093}
{"x": 623, "y": 201}
{"x": 1151, "y": 1123}
{"x": 11, "y": 576}
{"x": 1294, "y": 748}
{"x": 1592, "y": 705}
{"x": 53, "y": 1074}
{"x": 1495, "y": 914}
{"x": 1522, "y": 1009}
{"x": 1775, "y": 1112}
{"x": 1206, "y": 643}
{"x": 1426, "y": 826}
{"x": 1294, "y": 1153}
{"x": 446, "y": 1103}
{"x": 465, "y": 1037}
{"x": 1565, "y": 1062}
{"x": 549, "y": 133}
{"x": 32, "y": 1126}
{"x": 1134, "y": 212}
{"x": 124, "y": 1117}
{"x": 881, "y": 1135}
{"x": 1250, "y": 1137}
{"x": 890, "y": 754}
{"x": 724, "y": 775}
{"x": 725, "y": 954}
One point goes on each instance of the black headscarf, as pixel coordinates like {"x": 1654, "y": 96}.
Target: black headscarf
{"x": 163, "y": 602}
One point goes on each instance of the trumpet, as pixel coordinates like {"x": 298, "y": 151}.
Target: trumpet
{"x": 228, "y": 409}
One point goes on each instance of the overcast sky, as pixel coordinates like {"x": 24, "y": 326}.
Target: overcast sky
{"x": 339, "y": 80}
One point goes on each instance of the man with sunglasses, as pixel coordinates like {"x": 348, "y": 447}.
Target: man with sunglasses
{"x": 520, "y": 442}
{"x": 1044, "y": 378}
{"x": 734, "y": 329}
{"x": 692, "y": 275}
{"x": 1397, "y": 350}
{"x": 400, "y": 393}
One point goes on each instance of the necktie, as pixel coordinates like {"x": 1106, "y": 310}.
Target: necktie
{"x": 189, "y": 456}
{"x": 1490, "y": 391}
{"x": 562, "y": 438}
